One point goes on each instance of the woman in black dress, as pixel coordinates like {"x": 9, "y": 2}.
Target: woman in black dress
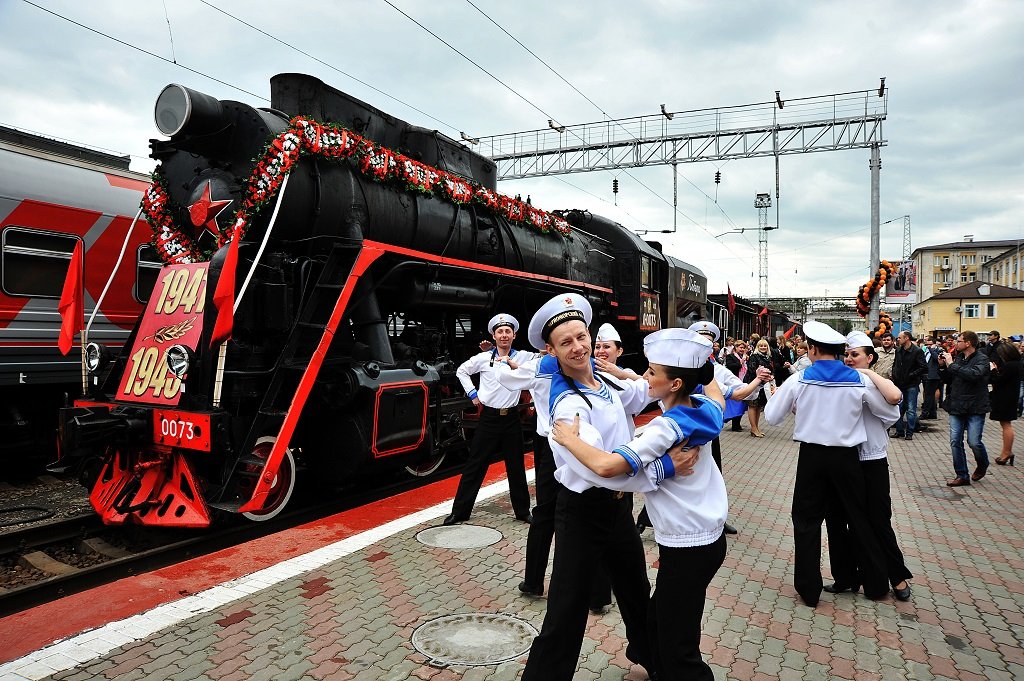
{"x": 761, "y": 357}
{"x": 1006, "y": 375}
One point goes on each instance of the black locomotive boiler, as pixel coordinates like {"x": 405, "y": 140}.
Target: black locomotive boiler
{"x": 362, "y": 280}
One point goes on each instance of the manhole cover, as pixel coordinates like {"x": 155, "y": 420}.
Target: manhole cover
{"x": 473, "y": 639}
{"x": 459, "y": 536}
{"x": 946, "y": 493}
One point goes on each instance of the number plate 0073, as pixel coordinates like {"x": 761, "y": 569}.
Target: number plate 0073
{"x": 181, "y": 429}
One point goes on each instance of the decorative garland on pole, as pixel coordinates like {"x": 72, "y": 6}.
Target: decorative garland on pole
{"x": 870, "y": 289}
{"x": 305, "y": 136}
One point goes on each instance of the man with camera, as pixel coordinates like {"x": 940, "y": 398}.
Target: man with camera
{"x": 967, "y": 403}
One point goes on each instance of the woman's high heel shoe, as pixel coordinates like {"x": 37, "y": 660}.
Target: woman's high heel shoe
{"x": 1007, "y": 461}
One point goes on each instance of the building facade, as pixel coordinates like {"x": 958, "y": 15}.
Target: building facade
{"x": 1005, "y": 268}
{"x": 945, "y": 267}
{"x": 976, "y": 306}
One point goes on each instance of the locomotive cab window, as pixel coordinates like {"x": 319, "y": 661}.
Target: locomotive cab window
{"x": 147, "y": 270}
{"x": 645, "y": 272}
{"x": 35, "y": 263}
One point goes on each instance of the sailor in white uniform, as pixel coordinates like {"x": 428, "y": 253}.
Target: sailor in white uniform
{"x": 499, "y": 426}
{"x": 842, "y": 547}
{"x": 593, "y": 524}
{"x": 689, "y": 512}
{"x": 828, "y": 399}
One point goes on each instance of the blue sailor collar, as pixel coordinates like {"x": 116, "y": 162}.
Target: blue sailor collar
{"x": 699, "y": 424}
{"x": 560, "y": 388}
{"x": 830, "y": 372}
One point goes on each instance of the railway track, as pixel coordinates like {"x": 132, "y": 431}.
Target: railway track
{"x": 50, "y": 560}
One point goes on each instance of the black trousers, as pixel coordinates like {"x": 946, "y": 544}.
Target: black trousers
{"x": 824, "y": 474}
{"x": 538, "y": 540}
{"x": 592, "y": 528}
{"x": 844, "y": 551}
{"x": 495, "y": 433}
{"x": 677, "y": 606}
{"x": 929, "y": 407}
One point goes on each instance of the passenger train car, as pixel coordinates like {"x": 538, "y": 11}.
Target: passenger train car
{"x": 52, "y": 196}
{"x": 370, "y": 255}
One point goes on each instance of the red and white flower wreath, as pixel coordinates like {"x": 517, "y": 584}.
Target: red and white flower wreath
{"x": 306, "y": 136}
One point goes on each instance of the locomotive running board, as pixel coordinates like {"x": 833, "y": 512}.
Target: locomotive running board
{"x": 366, "y": 257}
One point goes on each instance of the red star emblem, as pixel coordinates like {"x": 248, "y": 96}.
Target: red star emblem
{"x": 204, "y": 211}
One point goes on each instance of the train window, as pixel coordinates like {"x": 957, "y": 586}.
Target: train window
{"x": 35, "y": 263}
{"x": 645, "y": 272}
{"x": 147, "y": 269}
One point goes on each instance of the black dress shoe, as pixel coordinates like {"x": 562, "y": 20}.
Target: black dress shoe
{"x": 729, "y": 529}
{"x": 452, "y": 520}
{"x": 640, "y": 526}
{"x": 527, "y": 590}
{"x": 958, "y": 482}
{"x": 979, "y": 473}
{"x": 528, "y": 518}
{"x": 909, "y": 436}
{"x": 600, "y": 609}
{"x": 902, "y": 594}
{"x": 838, "y": 588}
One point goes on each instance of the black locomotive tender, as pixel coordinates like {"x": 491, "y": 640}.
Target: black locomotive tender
{"x": 383, "y": 396}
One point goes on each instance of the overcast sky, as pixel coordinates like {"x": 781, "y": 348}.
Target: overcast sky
{"x": 955, "y": 72}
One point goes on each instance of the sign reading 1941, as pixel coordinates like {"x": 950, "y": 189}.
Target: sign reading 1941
{"x": 174, "y": 316}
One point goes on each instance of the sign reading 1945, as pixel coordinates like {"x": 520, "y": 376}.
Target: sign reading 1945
{"x": 174, "y": 316}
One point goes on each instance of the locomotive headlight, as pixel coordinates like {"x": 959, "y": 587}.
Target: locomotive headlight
{"x": 96, "y": 357}
{"x": 179, "y": 358}
{"x": 179, "y": 107}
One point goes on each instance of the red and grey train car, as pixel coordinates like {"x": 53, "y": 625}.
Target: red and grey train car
{"x": 355, "y": 300}
{"x": 52, "y": 196}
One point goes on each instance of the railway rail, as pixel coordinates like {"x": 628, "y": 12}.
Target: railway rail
{"x": 105, "y": 554}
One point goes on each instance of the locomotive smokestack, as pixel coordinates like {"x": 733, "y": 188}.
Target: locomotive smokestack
{"x": 181, "y": 109}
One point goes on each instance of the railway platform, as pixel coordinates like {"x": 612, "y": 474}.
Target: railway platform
{"x": 382, "y": 592}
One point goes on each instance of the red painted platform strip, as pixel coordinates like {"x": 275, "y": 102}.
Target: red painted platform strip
{"x": 32, "y": 629}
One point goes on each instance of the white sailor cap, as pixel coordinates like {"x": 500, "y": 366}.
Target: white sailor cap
{"x": 705, "y": 326}
{"x": 560, "y": 309}
{"x": 607, "y": 333}
{"x": 503, "y": 320}
{"x": 678, "y": 348}
{"x": 823, "y": 333}
{"x": 858, "y": 339}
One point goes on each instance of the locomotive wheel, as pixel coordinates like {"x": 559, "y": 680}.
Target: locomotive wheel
{"x": 282, "y": 487}
{"x": 427, "y": 466}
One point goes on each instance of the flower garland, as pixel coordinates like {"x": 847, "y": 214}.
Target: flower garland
{"x": 870, "y": 289}
{"x": 306, "y": 136}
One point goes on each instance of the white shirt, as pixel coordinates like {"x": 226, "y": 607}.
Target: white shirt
{"x": 828, "y": 412}
{"x": 728, "y": 382}
{"x": 603, "y": 425}
{"x": 685, "y": 510}
{"x": 526, "y": 377}
{"x": 877, "y": 444}
{"x": 491, "y": 393}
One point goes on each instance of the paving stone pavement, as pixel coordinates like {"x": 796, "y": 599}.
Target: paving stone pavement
{"x": 354, "y": 618}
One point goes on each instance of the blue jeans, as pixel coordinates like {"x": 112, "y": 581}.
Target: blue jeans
{"x": 974, "y": 424}
{"x": 908, "y": 411}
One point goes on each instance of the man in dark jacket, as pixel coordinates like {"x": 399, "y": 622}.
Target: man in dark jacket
{"x": 967, "y": 403}
{"x": 908, "y": 369}
{"x": 932, "y": 380}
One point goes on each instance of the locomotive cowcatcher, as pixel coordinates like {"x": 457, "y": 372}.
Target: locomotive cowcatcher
{"x": 364, "y": 276}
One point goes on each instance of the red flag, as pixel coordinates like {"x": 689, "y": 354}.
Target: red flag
{"x": 72, "y": 305}
{"x": 790, "y": 332}
{"x": 763, "y": 312}
{"x": 731, "y": 301}
{"x": 224, "y": 294}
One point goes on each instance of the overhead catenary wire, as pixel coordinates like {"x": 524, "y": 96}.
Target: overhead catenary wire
{"x": 327, "y": 64}
{"x": 144, "y": 51}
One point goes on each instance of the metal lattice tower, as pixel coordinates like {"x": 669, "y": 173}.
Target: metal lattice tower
{"x": 762, "y": 202}
{"x": 907, "y": 309}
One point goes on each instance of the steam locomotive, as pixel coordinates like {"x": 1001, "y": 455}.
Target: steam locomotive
{"x": 54, "y": 195}
{"x": 363, "y": 279}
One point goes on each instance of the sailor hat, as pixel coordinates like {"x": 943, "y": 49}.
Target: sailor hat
{"x": 678, "y": 348}
{"x": 858, "y": 339}
{"x": 503, "y": 320}
{"x": 823, "y": 333}
{"x": 607, "y": 333}
{"x": 705, "y": 326}
{"x": 560, "y": 309}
